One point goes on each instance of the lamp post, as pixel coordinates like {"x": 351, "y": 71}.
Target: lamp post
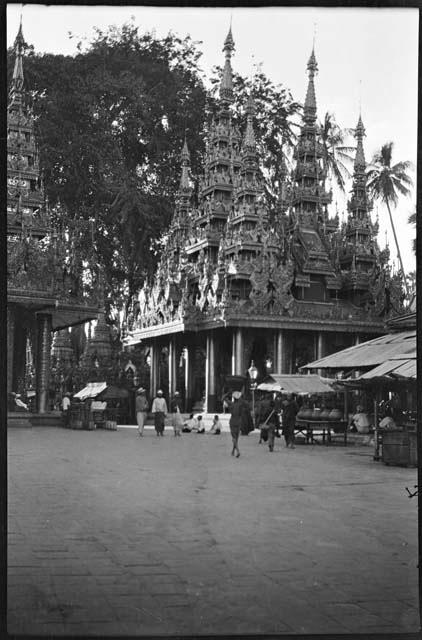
{"x": 253, "y": 374}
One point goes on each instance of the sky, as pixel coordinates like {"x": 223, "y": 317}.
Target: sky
{"x": 367, "y": 58}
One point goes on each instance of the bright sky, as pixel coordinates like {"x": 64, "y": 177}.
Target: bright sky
{"x": 364, "y": 55}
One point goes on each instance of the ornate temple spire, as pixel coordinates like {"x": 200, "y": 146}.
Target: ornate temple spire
{"x": 360, "y": 163}
{"x": 310, "y": 106}
{"x": 16, "y": 89}
{"x": 249, "y": 143}
{"x": 184, "y": 186}
{"x": 226, "y": 86}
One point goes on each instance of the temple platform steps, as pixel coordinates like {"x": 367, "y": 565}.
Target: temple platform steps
{"x": 23, "y": 419}
{"x": 19, "y": 419}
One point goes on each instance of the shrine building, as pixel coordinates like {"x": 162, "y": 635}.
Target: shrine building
{"x": 42, "y": 288}
{"x": 235, "y": 285}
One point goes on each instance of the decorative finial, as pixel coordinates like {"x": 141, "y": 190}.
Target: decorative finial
{"x": 184, "y": 178}
{"x": 360, "y": 163}
{"x": 226, "y": 87}
{"x": 19, "y": 44}
{"x": 249, "y": 144}
{"x": 229, "y": 42}
{"x": 185, "y": 155}
{"x": 310, "y": 100}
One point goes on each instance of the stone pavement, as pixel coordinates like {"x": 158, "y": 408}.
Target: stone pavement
{"x": 110, "y": 533}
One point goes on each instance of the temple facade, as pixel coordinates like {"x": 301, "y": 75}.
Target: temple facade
{"x": 43, "y": 289}
{"x": 235, "y": 285}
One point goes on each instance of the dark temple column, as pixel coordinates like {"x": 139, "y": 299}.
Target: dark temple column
{"x": 44, "y": 324}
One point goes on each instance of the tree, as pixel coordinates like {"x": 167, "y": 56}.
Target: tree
{"x": 386, "y": 182}
{"x": 412, "y": 220}
{"x": 110, "y": 123}
{"x": 337, "y": 153}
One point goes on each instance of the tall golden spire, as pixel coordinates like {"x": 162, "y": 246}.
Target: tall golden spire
{"x": 226, "y": 86}
{"x": 310, "y": 106}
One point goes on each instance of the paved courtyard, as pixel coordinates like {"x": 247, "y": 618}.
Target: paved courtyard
{"x": 110, "y": 533}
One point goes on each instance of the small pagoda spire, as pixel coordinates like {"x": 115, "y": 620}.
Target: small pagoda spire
{"x": 249, "y": 143}
{"x": 184, "y": 185}
{"x": 360, "y": 163}
{"x": 226, "y": 86}
{"x": 310, "y": 106}
{"x": 18, "y": 78}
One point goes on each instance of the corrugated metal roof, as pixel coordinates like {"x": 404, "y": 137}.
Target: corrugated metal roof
{"x": 403, "y": 368}
{"x": 295, "y": 383}
{"x": 369, "y": 354}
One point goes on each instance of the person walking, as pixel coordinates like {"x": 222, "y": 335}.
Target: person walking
{"x": 176, "y": 413}
{"x": 159, "y": 409}
{"x": 273, "y": 423}
{"x": 141, "y": 405}
{"x": 289, "y": 421}
{"x": 239, "y": 409}
{"x": 66, "y": 409}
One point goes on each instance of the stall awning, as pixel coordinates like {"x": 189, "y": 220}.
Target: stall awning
{"x": 91, "y": 390}
{"x": 397, "y": 367}
{"x": 369, "y": 354}
{"x": 300, "y": 384}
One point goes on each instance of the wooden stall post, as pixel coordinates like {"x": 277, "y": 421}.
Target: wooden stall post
{"x": 376, "y": 438}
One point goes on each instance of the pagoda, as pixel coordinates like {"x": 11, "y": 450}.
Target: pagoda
{"x": 236, "y": 285}
{"x": 40, "y": 298}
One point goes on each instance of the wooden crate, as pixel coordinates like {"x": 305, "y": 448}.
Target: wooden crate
{"x": 396, "y": 448}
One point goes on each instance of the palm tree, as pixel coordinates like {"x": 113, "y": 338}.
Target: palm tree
{"x": 336, "y": 153}
{"x": 412, "y": 220}
{"x": 386, "y": 182}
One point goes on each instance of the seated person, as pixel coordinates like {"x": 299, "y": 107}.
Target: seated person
{"x": 360, "y": 421}
{"x": 199, "y": 428}
{"x": 190, "y": 425}
{"x": 387, "y": 423}
{"x": 20, "y": 405}
{"x": 216, "y": 426}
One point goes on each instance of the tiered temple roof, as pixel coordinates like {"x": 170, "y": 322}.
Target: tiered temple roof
{"x": 225, "y": 262}
{"x": 25, "y": 198}
{"x": 38, "y": 277}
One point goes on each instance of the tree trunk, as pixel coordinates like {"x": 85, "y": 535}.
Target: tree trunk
{"x": 398, "y": 249}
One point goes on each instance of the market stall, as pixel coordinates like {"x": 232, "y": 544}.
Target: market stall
{"x": 382, "y": 373}
{"x": 395, "y": 389}
{"x": 83, "y": 413}
{"x": 322, "y": 415}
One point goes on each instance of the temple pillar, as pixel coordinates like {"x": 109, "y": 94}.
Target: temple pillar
{"x": 239, "y": 353}
{"x": 210, "y": 386}
{"x": 10, "y": 348}
{"x": 320, "y": 345}
{"x": 188, "y": 377}
{"x": 172, "y": 367}
{"x": 320, "y": 348}
{"x": 44, "y": 326}
{"x": 234, "y": 352}
{"x": 281, "y": 353}
{"x": 153, "y": 372}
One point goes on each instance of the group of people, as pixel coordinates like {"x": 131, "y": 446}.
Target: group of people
{"x": 241, "y": 420}
{"x": 160, "y": 411}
